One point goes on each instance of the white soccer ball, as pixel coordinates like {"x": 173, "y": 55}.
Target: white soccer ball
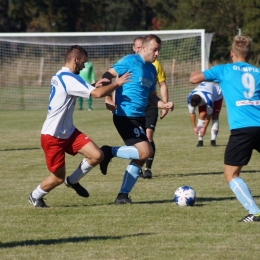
{"x": 184, "y": 196}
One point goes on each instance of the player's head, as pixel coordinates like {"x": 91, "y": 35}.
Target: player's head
{"x": 75, "y": 58}
{"x": 150, "y": 48}
{"x": 241, "y": 47}
{"x": 137, "y": 44}
{"x": 195, "y": 100}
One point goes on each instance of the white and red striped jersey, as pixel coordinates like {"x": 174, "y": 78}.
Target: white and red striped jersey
{"x": 65, "y": 88}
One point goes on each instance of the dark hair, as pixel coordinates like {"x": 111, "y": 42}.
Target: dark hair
{"x": 75, "y": 51}
{"x": 150, "y": 37}
{"x": 195, "y": 100}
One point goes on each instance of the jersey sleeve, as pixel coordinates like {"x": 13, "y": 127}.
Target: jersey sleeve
{"x": 191, "y": 109}
{"x": 214, "y": 74}
{"x": 122, "y": 66}
{"x": 76, "y": 86}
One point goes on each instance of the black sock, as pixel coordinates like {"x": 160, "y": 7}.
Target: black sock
{"x": 122, "y": 195}
{"x": 149, "y": 161}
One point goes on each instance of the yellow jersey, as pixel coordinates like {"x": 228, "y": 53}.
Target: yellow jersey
{"x": 160, "y": 72}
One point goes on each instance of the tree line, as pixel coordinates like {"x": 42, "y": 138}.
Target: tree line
{"x": 224, "y": 18}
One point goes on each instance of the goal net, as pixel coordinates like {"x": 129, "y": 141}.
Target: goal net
{"x": 28, "y": 61}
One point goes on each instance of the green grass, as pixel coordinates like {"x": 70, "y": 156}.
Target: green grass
{"x": 153, "y": 227}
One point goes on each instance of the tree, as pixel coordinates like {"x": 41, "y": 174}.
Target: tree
{"x": 21, "y": 13}
{"x": 4, "y": 25}
{"x": 223, "y": 18}
{"x": 251, "y": 27}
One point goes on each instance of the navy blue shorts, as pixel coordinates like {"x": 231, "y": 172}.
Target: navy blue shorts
{"x": 131, "y": 129}
{"x": 241, "y": 144}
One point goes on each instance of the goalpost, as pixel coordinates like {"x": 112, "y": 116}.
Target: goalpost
{"x": 28, "y": 61}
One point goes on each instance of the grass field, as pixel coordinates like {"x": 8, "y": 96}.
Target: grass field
{"x": 153, "y": 227}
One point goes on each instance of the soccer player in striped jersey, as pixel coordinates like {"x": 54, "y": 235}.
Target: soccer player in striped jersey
{"x": 60, "y": 136}
{"x": 240, "y": 85}
{"x": 208, "y": 98}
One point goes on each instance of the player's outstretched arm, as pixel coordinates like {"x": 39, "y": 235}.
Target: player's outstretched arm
{"x": 107, "y": 90}
{"x": 109, "y": 100}
{"x": 196, "y": 77}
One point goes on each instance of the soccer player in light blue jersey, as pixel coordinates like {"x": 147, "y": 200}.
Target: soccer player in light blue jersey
{"x": 151, "y": 112}
{"x": 129, "y": 112}
{"x": 240, "y": 85}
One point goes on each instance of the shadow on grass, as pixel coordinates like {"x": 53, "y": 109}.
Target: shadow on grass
{"x": 153, "y": 202}
{"x": 198, "y": 174}
{"x": 198, "y": 203}
{"x": 198, "y": 200}
{"x": 112, "y": 203}
{"x": 19, "y": 149}
{"x": 67, "y": 240}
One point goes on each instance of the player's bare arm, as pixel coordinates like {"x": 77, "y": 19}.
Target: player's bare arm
{"x": 100, "y": 83}
{"x": 164, "y": 97}
{"x": 157, "y": 102}
{"x": 107, "y": 90}
{"x": 109, "y": 101}
{"x": 196, "y": 77}
{"x": 193, "y": 123}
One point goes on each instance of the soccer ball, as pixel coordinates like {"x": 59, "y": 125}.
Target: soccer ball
{"x": 184, "y": 196}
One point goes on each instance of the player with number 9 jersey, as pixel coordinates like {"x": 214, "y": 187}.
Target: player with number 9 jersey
{"x": 240, "y": 85}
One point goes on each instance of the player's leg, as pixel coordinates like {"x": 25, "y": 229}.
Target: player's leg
{"x": 55, "y": 159}
{"x": 131, "y": 174}
{"x": 238, "y": 153}
{"x": 90, "y": 103}
{"x": 242, "y": 192}
{"x": 214, "y": 129}
{"x": 80, "y": 101}
{"x": 56, "y": 178}
{"x": 215, "y": 121}
{"x": 128, "y": 129}
{"x": 147, "y": 174}
{"x": 92, "y": 156}
{"x": 124, "y": 152}
{"x": 201, "y": 122}
{"x": 137, "y": 148}
{"x": 151, "y": 117}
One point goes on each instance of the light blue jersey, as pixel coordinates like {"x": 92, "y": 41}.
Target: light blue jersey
{"x": 240, "y": 85}
{"x": 132, "y": 98}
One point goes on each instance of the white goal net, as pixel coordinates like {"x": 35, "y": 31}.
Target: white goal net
{"x": 28, "y": 61}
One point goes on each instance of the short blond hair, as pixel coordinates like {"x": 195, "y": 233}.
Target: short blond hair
{"x": 241, "y": 46}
